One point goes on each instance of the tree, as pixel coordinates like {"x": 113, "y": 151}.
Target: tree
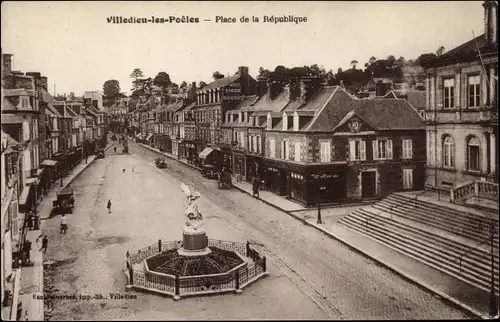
{"x": 111, "y": 89}
{"x": 137, "y": 73}
{"x": 264, "y": 73}
{"x": 184, "y": 84}
{"x": 440, "y": 51}
{"x": 142, "y": 87}
{"x": 426, "y": 60}
{"x": 202, "y": 84}
{"x": 162, "y": 80}
{"x": 354, "y": 63}
{"x": 372, "y": 60}
{"x": 216, "y": 75}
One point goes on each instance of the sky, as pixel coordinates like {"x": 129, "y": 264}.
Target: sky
{"x": 73, "y": 44}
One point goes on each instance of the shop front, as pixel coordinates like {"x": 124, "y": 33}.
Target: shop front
{"x": 207, "y": 156}
{"x": 225, "y": 158}
{"x": 239, "y": 165}
{"x": 325, "y": 185}
{"x": 254, "y": 167}
{"x": 191, "y": 154}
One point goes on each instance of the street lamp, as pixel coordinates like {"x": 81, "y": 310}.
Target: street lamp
{"x": 319, "y": 188}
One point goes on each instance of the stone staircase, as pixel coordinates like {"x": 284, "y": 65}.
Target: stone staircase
{"x": 440, "y": 237}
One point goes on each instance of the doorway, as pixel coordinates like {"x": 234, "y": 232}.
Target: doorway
{"x": 368, "y": 184}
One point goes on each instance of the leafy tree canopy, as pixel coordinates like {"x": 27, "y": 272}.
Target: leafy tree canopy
{"x": 162, "y": 80}
{"x": 216, "y": 75}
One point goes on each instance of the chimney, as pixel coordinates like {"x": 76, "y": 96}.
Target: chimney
{"x": 243, "y": 70}
{"x": 6, "y": 64}
{"x": 294, "y": 87}
{"x": 262, "y": 84}
{"x": 44, "y": 83}
{"x": 309, "y": 86}
{"x": 274, "y": 89}
{"x": 490, "y": 21}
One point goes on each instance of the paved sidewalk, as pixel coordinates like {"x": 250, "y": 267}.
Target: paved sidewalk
{"x": 442, "y": 285}
{"x": 32, "y": 276}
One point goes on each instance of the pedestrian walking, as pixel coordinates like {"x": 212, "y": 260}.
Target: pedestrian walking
{"x": 30, "y": 220}
{"x": 45, "y": 243}
{"x": 109, "y": 206}
{"x": 255, "y": 186}
{"x": 114, "y": 149}
{"x": 123, "y": 170}
{"x": 64, "y": 224}
{"x": 27, "y": 251}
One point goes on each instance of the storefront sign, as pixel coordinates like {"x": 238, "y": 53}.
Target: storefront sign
{"x": 232, "y": 92}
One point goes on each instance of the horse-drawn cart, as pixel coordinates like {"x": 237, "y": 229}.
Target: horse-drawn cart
{"x": 161, "y": 163}
{"x": 224, "y": 180}
{"x": 64, "y": 203}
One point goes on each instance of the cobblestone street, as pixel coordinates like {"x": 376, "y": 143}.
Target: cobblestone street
{"x": 310, "y": 276}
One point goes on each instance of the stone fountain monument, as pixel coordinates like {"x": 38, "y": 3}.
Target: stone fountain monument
{"x": 195, "y": 265}
{"x": 194, "y": 237}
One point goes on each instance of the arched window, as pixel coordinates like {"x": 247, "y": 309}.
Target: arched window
{"x": 448, "y": 152}
{"x": 473, "y": 154}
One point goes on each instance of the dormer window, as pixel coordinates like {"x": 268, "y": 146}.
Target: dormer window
{"x": 269, "y": 124}
{"x": 295, "y": 121}
{"x": 24, "y": 102}
{"x": 285, "y": 121}
{"x": 232, "y": 117}
{"x": 246, "y": 117}
{"x": 240, "y": 117}
{"x": 227, "y": 118}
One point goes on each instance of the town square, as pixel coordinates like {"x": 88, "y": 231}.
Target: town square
{"x": 179, "y": 170}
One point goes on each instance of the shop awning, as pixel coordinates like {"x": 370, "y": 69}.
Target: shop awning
{"x": 149, "y": 136}
{"x": 205, "y": 153}
{"x": 49, "y": 163}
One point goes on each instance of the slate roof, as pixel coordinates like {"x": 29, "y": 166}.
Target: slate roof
{"x": 10, "y": 140}
{"x": 220, "y": 82}
{"x": 415, "y": 98}
{"x": 53, "y": 110}
{"x": 467, "y": 51}
{"x": 7, "y": 105}
{"x": 380, "y": 113}
{"x": 174, "y": 106}
{"x": 246, "y": 104}
{"x": 264, "y": 105}
{"x": 389, "y": 114}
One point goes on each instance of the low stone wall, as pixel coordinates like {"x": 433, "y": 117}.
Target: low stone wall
{"x": 176, "y": 286}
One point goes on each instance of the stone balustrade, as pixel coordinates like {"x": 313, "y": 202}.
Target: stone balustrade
{"x": 482, "y": 189}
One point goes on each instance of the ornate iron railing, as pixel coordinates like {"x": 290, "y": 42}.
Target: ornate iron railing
{"x": 233, "y": 280}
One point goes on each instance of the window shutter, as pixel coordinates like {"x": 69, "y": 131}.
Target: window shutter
{"x": 282, "y": 151}
{"x": 410, "y": 149}
{"x": 297, "y": 151}
{"x": 389, "y": 149}
{"x": 362, "y": 150}
{"x": 375, "y": 149}
{"x": 352, "y": 150}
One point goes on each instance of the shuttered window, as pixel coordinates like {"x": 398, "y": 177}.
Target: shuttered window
{"x": 407, "y": 178}
{"x": 407, "y": 149}
{"x": 325, "y": 151}
{"x": 297, "y": 152}
{"x": 357, "y": 150}
{"x": 272, "y": 148}
{"x": 382, "y": 149}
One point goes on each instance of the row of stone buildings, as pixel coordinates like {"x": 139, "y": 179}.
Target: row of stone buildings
{"x": 314, "y": 143}
{"x": 43, "y": 137}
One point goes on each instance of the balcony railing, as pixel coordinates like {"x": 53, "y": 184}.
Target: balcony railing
{"x": 481, "y": 189}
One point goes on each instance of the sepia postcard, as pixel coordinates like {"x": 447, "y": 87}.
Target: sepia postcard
{"x": 249, "y": 160}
